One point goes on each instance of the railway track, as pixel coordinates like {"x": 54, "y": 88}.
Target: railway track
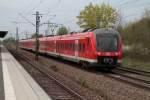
{"x": 135, "y": 77}
{"x": 136, "y": 71}
{"x": 59, "y": 91}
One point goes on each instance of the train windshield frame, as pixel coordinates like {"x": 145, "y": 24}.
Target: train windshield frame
{"x": 107, "y": 42}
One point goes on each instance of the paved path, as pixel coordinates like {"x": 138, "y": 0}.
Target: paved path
{"x": 2, "y": 96}
{"x": 18, "y": 84}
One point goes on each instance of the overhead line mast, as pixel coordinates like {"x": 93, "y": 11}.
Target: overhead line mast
{"x": 37, "y": 34}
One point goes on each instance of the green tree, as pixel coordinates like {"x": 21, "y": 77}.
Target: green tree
{"x": 62, "y": 31}
{"x": 99, "y": 16}
{"x": 137, "y": 35}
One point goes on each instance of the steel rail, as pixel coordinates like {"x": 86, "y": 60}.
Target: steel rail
{"x": 72, "y": 92}
{"x": 131, "y": 77}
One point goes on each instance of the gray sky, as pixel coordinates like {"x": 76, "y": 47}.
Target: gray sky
{"x": 65, "y": 11}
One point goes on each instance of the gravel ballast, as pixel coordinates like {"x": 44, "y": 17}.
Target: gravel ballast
{"x": 95, "y": 86}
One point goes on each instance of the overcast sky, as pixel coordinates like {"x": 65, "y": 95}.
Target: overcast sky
{"x": 65, "y": 11}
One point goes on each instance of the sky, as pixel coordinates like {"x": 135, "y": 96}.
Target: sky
{"x": 60, "y": 11}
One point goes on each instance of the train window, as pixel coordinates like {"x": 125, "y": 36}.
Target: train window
{"x": 70, "y": 46}
{"x": 58, "y": 45}
{"x": 88, "y": 41}
{"x": 67, "y": 45}
{"x": 73, "y": 47}
{"x": 64, "y": 46}
{"x": 80, "y": 47}
{"x": 83, "y": 47}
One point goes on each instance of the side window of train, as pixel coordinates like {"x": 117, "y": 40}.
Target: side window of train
{"x": 64, "y": 46}
{"x": 58, "y": 45}
{"x": 80, "y": 47}
{"x": 73, "y": 46}
{"x": 61, "y": 45}
{"x": 88, "y": 41}
{"x": 70, "y": 46}
{"x": 83, "y": 47}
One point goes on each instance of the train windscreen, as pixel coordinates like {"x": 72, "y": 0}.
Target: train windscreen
{"x": 107, "y": 43}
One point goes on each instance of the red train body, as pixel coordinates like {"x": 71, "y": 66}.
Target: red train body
{"x": 100, "y": 47}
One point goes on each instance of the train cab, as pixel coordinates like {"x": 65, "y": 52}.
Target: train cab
{"x": 108, "y": 47}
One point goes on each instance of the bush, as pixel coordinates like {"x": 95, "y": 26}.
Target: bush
{"x": 137, "y": 52}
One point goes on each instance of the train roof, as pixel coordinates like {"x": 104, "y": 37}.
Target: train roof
{"x": 82, "y": 34}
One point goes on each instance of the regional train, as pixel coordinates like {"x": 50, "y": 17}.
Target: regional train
{"x": 92, "y": 47}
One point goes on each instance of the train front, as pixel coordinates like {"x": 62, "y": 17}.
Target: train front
{"x": 108, "y": 47}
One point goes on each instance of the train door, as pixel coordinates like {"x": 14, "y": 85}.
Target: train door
{"x": 76, "y": 48}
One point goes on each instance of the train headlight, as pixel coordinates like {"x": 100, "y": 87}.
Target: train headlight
{"x": 99, "y": 53}
{"x": 116, "y": 53}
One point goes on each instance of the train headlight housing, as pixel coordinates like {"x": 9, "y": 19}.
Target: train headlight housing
{"x": 116, "y": 53}
{"x": 99, "y": 53}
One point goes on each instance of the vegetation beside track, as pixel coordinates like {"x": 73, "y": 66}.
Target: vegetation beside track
{"x": 136, "y": 64}
{"x": 137, "y": 36}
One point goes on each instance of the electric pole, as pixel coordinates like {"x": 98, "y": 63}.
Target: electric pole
{"x": 26, "y": 34}
{"x": 17, "y": 36}
{"x": 37, "y": 35}
{"x": 48, "y": 28}
{"x": 17, "y": 39}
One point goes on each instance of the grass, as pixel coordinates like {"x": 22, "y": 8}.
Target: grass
{"x": 54, "y": 68}
{"x": 80, "y": 80}
{"x": 136, "y": 63}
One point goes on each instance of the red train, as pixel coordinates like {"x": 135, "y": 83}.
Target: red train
{"x": 97, "y": 47}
